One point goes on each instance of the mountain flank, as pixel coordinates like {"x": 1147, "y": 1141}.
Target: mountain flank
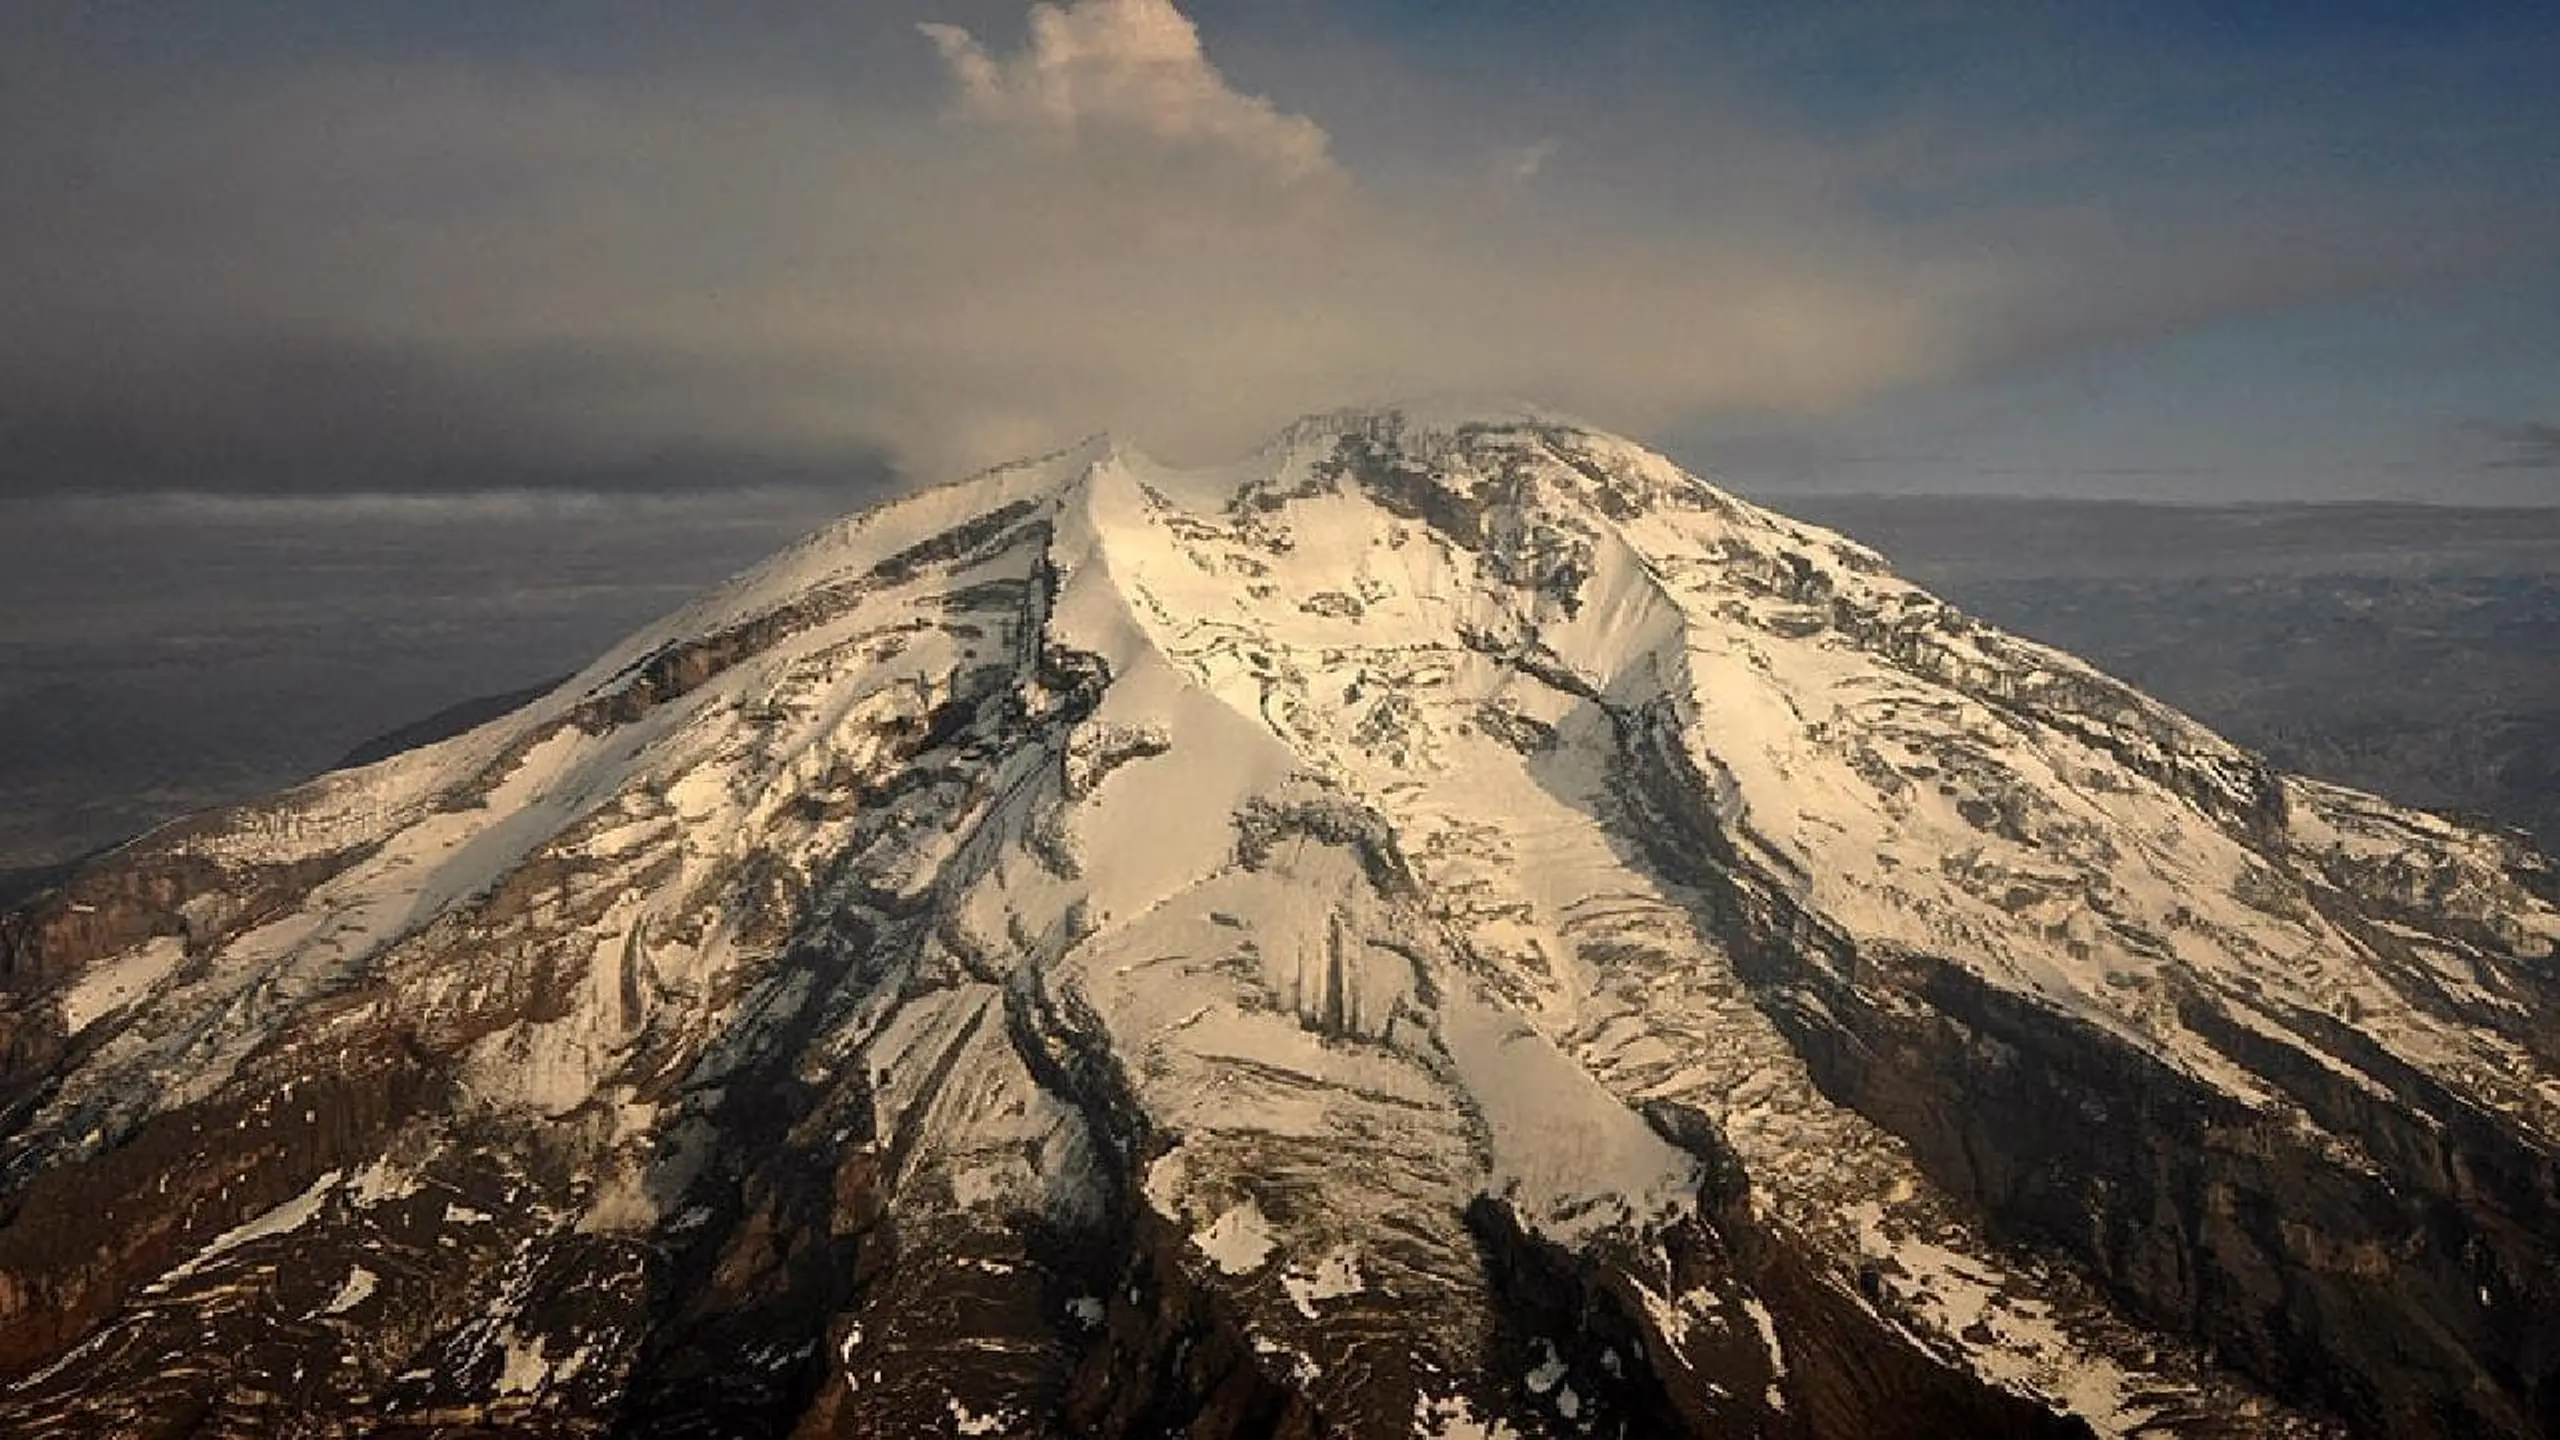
{"x": 1450, "y": 926}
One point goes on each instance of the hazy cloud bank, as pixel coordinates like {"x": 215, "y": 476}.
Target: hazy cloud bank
{"x": 475, "y": 264}
{"x": 2533, "y": 445}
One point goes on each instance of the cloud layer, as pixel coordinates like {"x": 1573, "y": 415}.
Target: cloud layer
{"x": 430, "y": 267}
{"x": 474, "y": 264}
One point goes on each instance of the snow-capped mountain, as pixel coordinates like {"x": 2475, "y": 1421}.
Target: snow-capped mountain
{"x": 1448, "y": 927}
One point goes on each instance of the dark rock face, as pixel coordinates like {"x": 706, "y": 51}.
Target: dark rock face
{"x": 2406, "y": 1281}
{"x": 1467, "y": 932}
{"x": 1844, "y": 1372}
{"x": 2334, "y": 1284}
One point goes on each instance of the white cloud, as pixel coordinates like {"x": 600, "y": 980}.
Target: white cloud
{"x": 1520, "y": 166}
{"x": 1129, "y": 68}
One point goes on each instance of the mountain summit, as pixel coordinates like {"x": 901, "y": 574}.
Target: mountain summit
{"x": 1448, "y": 927}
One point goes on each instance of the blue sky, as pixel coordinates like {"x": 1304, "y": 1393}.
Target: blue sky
{"x": 2163, "y": 250}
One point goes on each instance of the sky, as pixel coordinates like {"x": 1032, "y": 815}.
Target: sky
{"x": 2176, "y": 249}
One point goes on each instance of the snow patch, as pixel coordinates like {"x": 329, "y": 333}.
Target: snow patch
{"x": 522, "y": 1368}
{"x": 358, "y": 1288}
{"x": 1547, "y": 1373}
{"x": 1452, "y": 1417}
{"x": 283, "y": 1219}
{"x": 1302, "y": 1366}
{"x": 1767, "y": 1325}
{"x": 1571, "y": 1155}
{"x": 1337, "y": 1275}
{"x": 966, "y": 1422}
{"x": 112, "y": 984}
{"x": 379, "y": 1181}
{"x": 1239, "y": 1240}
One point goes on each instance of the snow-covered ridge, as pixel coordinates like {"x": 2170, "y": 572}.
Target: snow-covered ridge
{"x": 1306, "y": 896}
